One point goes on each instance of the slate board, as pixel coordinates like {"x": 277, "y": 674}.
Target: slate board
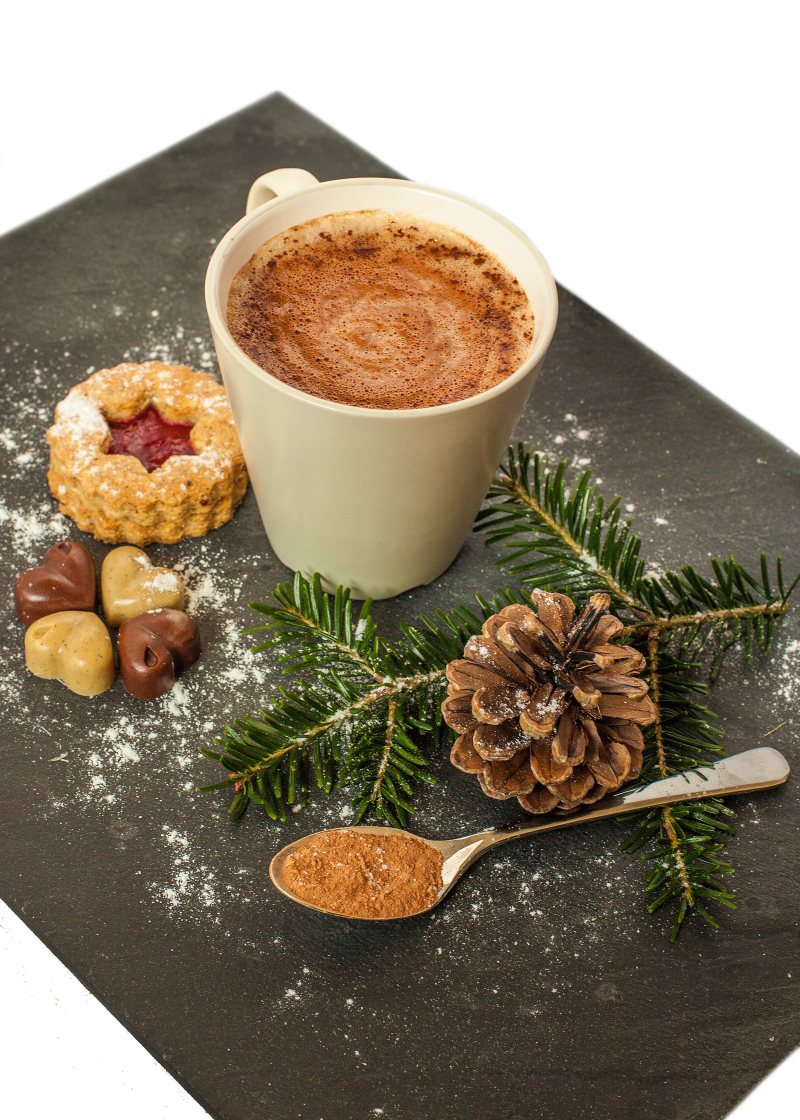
{"x": 541, "y": 987}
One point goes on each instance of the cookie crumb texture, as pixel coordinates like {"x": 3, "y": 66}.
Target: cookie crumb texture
{"x": 114, "y": 497}
{"x": 362, "y": 875}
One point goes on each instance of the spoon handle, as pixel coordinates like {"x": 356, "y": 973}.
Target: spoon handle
{"x": 759, "y": 768}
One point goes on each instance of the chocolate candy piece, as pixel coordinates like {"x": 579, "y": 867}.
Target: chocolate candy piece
{"x": 65, "y": 581}
{"x": 154, "y": 649}
{"x": 73, "y": 647}
{"x": 131, "y": 585}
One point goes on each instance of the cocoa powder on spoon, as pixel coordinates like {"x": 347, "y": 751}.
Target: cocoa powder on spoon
{"x": 358, "y": 875}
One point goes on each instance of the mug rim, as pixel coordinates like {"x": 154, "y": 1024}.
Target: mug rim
{"x": 220, "y": 325}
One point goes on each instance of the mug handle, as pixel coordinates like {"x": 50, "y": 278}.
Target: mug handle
{"x": 284, "y": 180}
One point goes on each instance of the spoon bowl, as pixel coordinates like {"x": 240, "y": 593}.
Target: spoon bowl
{"x": 277, "y": 872}
{"x": 746, "y": 772}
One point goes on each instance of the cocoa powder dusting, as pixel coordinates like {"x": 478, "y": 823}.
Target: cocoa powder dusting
{"x": 359, "y": 875}
{"x": 364, "y": 308}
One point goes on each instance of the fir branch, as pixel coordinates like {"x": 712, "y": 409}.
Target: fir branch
{"x": 684, "y": 843}
{"x": 553, "y": 537}
{"x": 573, "y": 541}
{"x": 361, "y": 712}
{"x": 712, "y": 614}
{"x": 356, "y": 715}
{"x": 307, "y": 620}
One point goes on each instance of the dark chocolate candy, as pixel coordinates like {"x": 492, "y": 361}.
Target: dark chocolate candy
{"x": 65, "y": 581}
{"x": 154, "y": 648}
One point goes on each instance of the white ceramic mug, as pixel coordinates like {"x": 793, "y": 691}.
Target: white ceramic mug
{"x": 377, "y": 499}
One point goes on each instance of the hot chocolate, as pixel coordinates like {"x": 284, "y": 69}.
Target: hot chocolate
{"x": 382, "y": 310}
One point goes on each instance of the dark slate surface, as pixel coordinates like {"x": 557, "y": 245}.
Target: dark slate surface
{"x": 541, "y": 988}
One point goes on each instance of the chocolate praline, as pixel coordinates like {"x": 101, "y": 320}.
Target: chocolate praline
{"x": 154, "y": 649}
{"x": 64, "y": 581}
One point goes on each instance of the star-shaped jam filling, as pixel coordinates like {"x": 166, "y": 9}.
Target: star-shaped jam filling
{"x": 150, "y": 437}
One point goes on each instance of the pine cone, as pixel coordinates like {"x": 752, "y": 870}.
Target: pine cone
{"x": 547, "y": 708}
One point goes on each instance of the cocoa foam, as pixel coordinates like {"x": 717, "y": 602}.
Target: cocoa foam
{"x": 382, "y": 310}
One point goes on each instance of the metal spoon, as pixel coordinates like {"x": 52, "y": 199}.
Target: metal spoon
{"x": 760, "y": 768}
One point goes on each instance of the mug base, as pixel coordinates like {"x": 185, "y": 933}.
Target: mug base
{"x": 362, "y": 588}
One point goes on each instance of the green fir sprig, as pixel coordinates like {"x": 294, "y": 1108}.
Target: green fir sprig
{"x": 360, "y": 710}
{"x": 363, "y": 713}
{"x": 574, "y": 542}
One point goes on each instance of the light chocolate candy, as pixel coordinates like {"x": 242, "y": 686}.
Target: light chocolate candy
{"x": 73, "y": 647}
{"x": 131, "y": 585}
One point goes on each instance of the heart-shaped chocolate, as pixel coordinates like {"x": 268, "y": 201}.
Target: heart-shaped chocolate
{"x": 131, "y": 585}
{"x": 65, "y": 581}
{"x": 73, "y": 647}
{"x": 154, "y": 649}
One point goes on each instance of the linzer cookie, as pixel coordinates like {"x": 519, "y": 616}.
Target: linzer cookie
{"x": 144, "y": 453}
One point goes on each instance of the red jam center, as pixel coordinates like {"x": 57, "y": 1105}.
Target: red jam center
{"x": 150, "y": 437}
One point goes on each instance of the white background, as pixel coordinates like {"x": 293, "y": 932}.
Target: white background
{"x": 649, "y": 150}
